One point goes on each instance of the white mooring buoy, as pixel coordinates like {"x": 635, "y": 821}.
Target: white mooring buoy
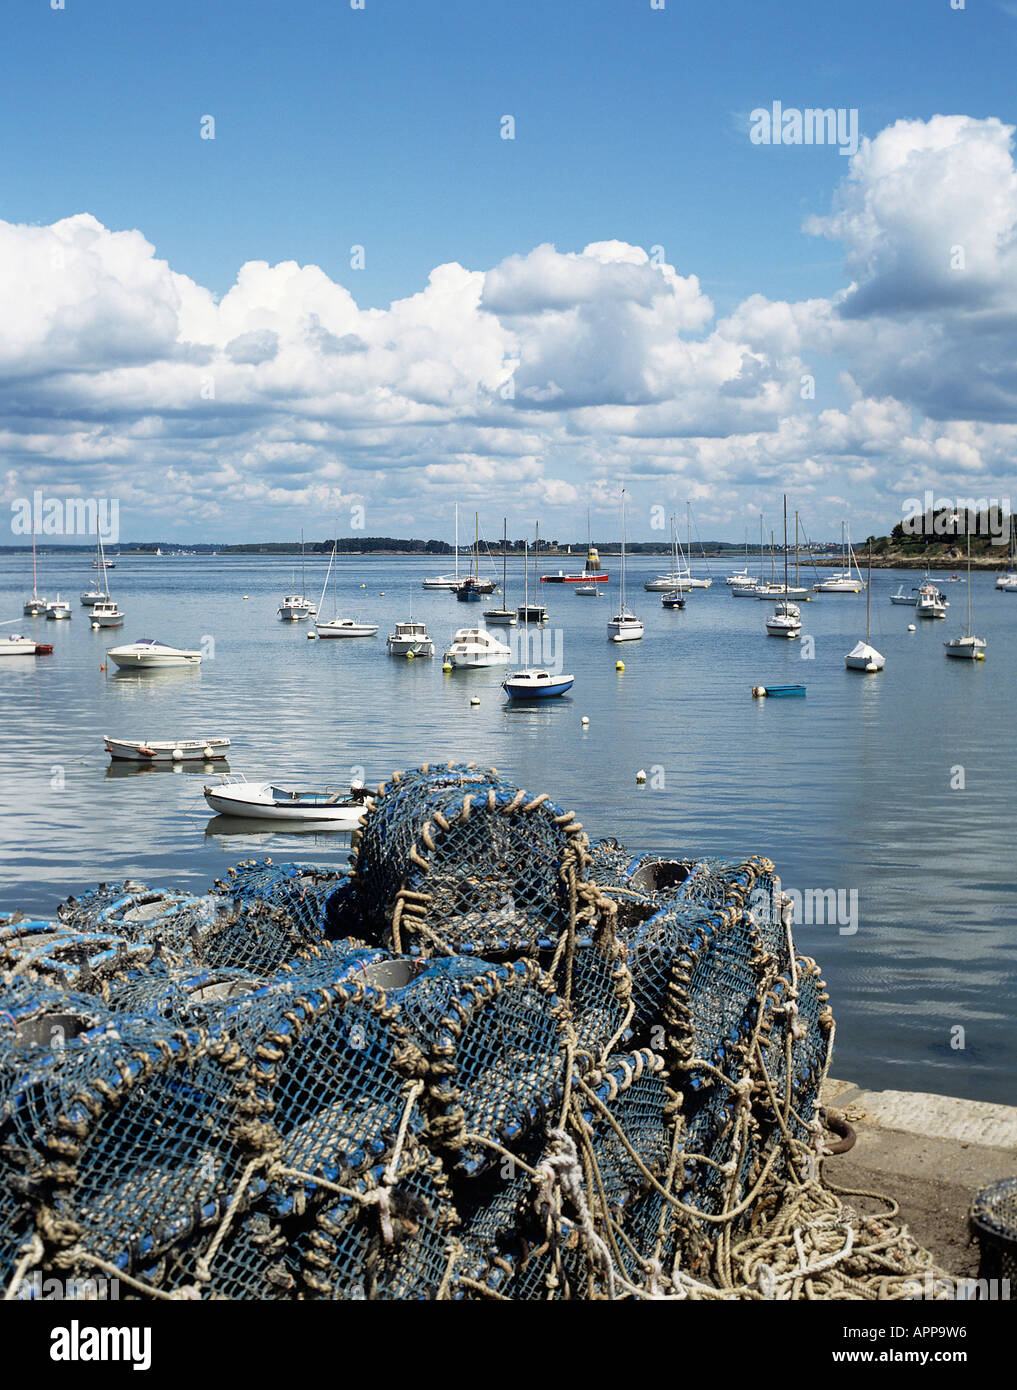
{"x": 641, "y": 776}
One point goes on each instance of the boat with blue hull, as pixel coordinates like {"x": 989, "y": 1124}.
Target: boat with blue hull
{"x": 534, "y": 684}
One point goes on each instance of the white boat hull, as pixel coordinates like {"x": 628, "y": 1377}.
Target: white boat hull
{"x": 404, "y": 647}
{"x": 257, "y": 803}
{"x": 152, "y": 658}
{"x": 346, "y": 627}
{"x": 16, "y": 645}
{"x": 202, "y": 750}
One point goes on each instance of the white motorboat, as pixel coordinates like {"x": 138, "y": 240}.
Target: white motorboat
{"x": 862, "y": 656}
{"x": 35, "y": 606}
{"x": 902, "y": 599}
{"x": 1007, "y": 583}
{"x": 340, "y": 627}
{"x": 535, "y": 684}
{"x": 967, "y": 647}
{"x": 749, "y": 589}
{"x": 475, "y": 646}
{"x": 17, "y": 645}
{"x": 176, "y": 750}
{"x": 586, "y": 590}
{"x": 235, "y": 796}
{"x": 106, "y": 614}
{"x": 624, "y": 626}
{"x": 930, "y": 602}
{"x": 410, "y": 639}
{"x": 295, "y": 608}
{"x": 148, "y": 653}
{"x": 59, "y": 608}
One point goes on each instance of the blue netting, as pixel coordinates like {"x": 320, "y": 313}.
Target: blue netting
{"x": 74, "y": 959}
{"x": 453, "y": 860}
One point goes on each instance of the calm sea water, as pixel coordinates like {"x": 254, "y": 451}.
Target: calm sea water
{"x": 849, "y": 789}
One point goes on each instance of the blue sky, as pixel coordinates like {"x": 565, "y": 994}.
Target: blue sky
{"x": 380, "y": 128}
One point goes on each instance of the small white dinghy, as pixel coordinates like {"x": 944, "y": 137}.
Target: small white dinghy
{"x": 177, "y": 750}
{"x": 235, "y": 796}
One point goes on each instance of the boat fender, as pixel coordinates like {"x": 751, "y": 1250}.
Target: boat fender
{"x": 619, "y": 666}
{"x": 409, "y": 656}
{"x": 585, "y": 720}
{"x": 446, "y": 666}
{"x": 912, "y": 628}
{"x": 178, "y": 755}
{"x": 147, "y": 752}
{"x": 208, "y": 751}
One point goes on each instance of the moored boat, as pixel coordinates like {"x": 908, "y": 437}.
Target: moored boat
{"x": 151, "y": 654}
{"x": 536, "y": 684}
{"x": 176, "y": 750}
{"x": 410, "y": 639}
{"x": 235, "y": 796}
{"x": 58, "y": 609}
{"x": 475, "y": 646}
{"x": 17, "y": 645}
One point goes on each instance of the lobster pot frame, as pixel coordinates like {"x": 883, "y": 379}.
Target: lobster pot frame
{"x": 455, "y": 861}
{"x": 255, "y": 1260}
{"x": 393, "y": 1249}
{"x": 632, "y": 1089}
{"x": 252, "y": 935}
{"x": 186, "y": 997}
{"x": 73, "y": 959}
{"x": 170, "y": 920}
{"x": 491, "y": 1042}
{"x": 133, "y": 1128}
{"x": 317, "y": 1086}
{"x": 596, "y": 983}
{"x": 609, "y": 864}
{"x": 330, "y": 963}
{"x": 300, "y": 889}
{"x": 507, "y": 1247}
{"x": 83, "y": 912}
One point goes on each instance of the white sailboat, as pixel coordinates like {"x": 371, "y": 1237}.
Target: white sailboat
{"x": 337, "y": 626}
{"x": 624, "y": 626}
{"x": 741, "y": 580}
{"x": 296, "y": 607}
{"x": 531, "y": 612}
{"x": 849, "y": 580}
{"x": 862, "y": 657}
{"x": 105, "y": 612}
{"x": 967, "y": 646}
{"x": 1007, "y": 583}
{"x": 502, "y": 617}
{"x": 446, "y": 581}
{"x": 786, "y": 619}
{"x": 35, "y": 606}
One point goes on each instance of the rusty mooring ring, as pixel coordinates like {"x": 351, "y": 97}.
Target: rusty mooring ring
{"x": 835, "y": 1121}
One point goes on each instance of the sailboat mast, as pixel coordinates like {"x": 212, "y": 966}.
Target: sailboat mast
{"x": 785, "y": 546}
{"x": 457, "y": 542}
{"x": 771, "y": 557}
{"x": 796, "y": 550}
{"x": 623, "y": 554}
{"x": 760, "y": 547}
{"x": 969, "y": 573}
{"x": 868, "y": 595}
{"x": 303, "y": 580}
{"x": 504, "y": 560}
{"x": 35, "y": 581}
